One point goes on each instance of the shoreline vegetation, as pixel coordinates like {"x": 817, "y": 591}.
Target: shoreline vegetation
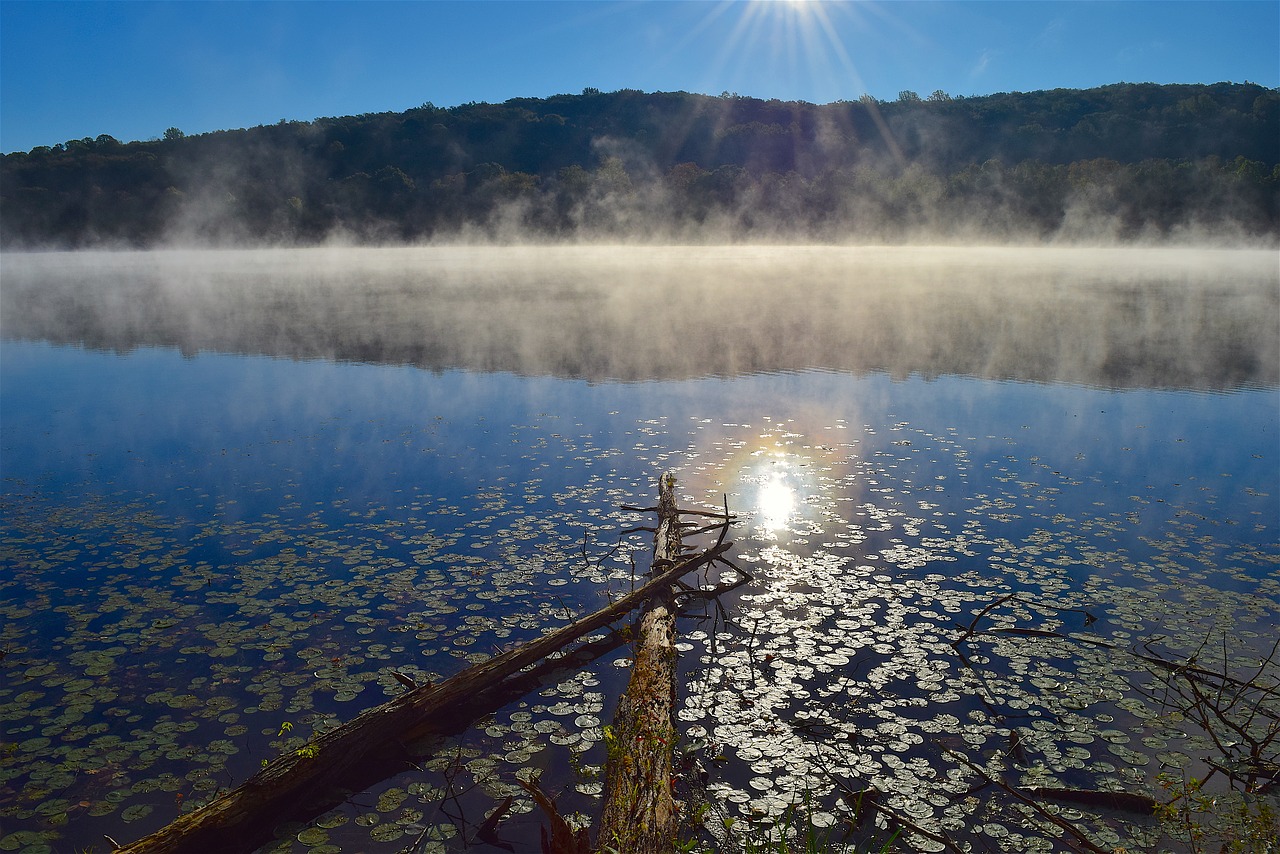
{"x": 1127, "y": 162}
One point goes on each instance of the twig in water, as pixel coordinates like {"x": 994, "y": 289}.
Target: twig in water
{"x": 1075, "y": 832}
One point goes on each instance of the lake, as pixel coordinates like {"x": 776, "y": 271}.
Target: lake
{"x": 975, "y": 487}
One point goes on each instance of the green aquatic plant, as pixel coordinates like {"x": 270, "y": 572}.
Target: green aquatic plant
{"x": 1235, "y": 702}
{"x": 1207, "y": 820}
{"x": 792, "y": 833}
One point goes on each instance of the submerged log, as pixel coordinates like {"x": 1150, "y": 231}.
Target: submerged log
{"x": 639, "y": 814}
{"x": 242, "y": 818}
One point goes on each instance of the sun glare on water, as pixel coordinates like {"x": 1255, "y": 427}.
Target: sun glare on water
{"x": 775, "y": 502}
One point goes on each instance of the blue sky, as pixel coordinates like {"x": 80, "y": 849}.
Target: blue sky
{"x": 131, "y": 69}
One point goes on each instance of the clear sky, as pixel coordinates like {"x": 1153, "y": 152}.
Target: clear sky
{"x": 132, "y": 69}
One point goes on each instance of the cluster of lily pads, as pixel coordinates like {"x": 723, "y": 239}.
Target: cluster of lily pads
{"x": 151, "y": 663}
{"x": 930, "y": 621}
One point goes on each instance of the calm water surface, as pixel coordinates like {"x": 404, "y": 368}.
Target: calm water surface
{"x": 239, "y": 488}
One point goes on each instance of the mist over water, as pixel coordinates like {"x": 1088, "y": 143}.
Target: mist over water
{"x": 1104, "y": 317}
{"x": 239, "y": 487}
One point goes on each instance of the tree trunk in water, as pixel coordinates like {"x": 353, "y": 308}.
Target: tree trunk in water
{"x": 242, "y": 819}
{"x": 639, "y": 815}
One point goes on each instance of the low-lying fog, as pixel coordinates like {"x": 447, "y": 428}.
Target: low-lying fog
{"x": 1105, "y": 317}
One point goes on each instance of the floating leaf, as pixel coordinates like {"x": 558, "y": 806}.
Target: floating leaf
{"x": 137, "y": 811}
{"x": 391, "y": 800}
{"x": 386, "y": 832}
{"x": 313, "y": 836}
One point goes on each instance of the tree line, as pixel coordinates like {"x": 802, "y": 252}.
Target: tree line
{"x": 1127, "y": 161}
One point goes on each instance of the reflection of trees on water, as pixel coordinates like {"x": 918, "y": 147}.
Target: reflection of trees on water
{"x": 1109, "y": 318}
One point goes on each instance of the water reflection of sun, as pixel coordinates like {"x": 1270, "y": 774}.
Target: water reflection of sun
{"x": 785, "y": 477}
{"x": 775, "y": 502}
{"x": 779, "y": 489}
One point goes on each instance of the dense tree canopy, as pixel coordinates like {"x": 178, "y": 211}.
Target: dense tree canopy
{"x": 1116, "y": 162}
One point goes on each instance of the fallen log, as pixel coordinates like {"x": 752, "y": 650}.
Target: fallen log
{"x": 241, "y": 819}
{"x": 639, "y": 813}
{"x": 1121, "y": 801}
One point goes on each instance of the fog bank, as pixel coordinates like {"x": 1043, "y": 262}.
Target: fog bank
{"x": 1116, "y": 318}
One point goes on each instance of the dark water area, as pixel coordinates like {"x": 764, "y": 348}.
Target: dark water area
{"x": 240, "y": 488}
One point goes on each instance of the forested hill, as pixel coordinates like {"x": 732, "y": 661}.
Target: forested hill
{"x": 1127, "y": 161}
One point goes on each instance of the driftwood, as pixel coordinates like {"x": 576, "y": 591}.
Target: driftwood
{"x": 241, "y": 819}
{"x": 639, "y": 814}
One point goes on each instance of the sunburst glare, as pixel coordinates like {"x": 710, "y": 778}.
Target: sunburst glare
{"x": 800, "y": 45}
{"x": 797, "y": 38}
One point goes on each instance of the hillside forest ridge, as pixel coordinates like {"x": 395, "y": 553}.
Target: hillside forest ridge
{"x": 1122, "y": 162}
